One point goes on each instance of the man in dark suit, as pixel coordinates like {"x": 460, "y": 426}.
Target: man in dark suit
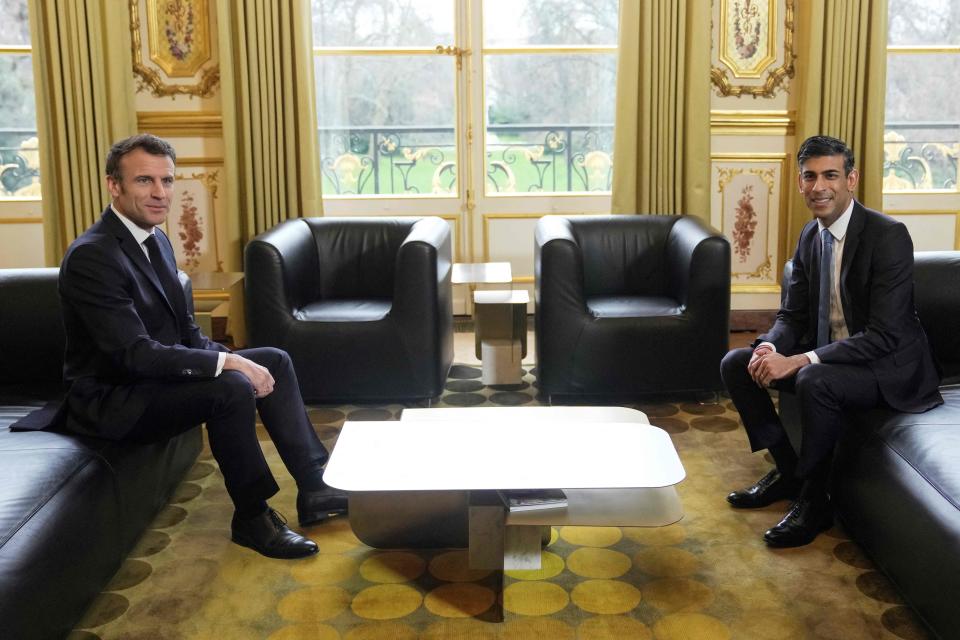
{"x": 846, "y": 337}
{"x": 140, "y": 370}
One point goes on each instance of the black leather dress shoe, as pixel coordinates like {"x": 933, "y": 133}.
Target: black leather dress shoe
{"x": 803, "y": 522}
{"x": 765, "y": 491}
{"x": 269, "y": 535}
{"x": 320, "y": 504}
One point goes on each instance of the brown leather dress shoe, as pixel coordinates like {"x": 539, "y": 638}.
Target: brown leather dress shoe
{"x": 765, "y": 491}
{"x": 269, "y": 535}
{"x": 320, "y": 504}
{"x": 805, "y": 520}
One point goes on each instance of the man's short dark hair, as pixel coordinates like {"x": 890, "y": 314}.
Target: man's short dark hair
{"x": 820, "y": 146}
{"x": 147, "y": 141}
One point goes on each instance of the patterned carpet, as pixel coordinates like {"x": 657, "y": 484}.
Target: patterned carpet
{"x": 707, "y": 577}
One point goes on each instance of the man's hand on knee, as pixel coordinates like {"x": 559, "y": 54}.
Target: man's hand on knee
{"x": 259, "y": 376}
{"x": 773, "y": 366}
{"x": 755, "y": 359}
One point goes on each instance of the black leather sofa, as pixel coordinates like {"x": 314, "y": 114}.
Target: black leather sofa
{"x": 363, "y": 306}
{"x": 71, "y": 508}
{"x": 630, "y": 304}
{"x": 896, "y": 476}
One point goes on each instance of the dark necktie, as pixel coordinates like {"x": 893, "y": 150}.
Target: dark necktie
{"x": 166, "y": 275}
{"x": 826, "y": 279}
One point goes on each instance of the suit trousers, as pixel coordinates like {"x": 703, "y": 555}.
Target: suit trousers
{"x": 824, "y": 393}
{"x": 228, "y": 406}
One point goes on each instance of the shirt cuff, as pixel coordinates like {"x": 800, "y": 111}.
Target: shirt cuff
{"x": 221, "y": 358}
{"x": 814, "y": 358}
{"x": 772, "y": 346}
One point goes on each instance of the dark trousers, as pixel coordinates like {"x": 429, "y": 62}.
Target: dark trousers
{"x": 824, "y": 392}
{"x": 228, "y": 405}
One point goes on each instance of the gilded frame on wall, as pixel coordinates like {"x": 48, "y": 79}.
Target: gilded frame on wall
{"x": 192, "y": 223}
{"x": 749, "y": 207}
{"x": 166, "y": 54}
{"x": 749, "y": 34}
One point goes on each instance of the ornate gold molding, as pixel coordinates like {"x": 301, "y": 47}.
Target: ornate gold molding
{"x": 775, "y": 77}
{"x": 179, "y": 32}
{"x": 209, "y": 180}
{"x": 148, "y": 78}
{"x": 204, "y": 124}
{"x": 738, "y": 123}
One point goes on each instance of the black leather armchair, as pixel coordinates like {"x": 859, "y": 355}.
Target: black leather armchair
{"x": 362, "y": 305}
{"x": 630, "y": 304}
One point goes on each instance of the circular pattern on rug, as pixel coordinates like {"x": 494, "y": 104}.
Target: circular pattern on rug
{"x": 454, "y": 566}
{"x": 666, "y": 562}
{"x": 591, "y": 536}
{"x": 550, "y": 565}
{"x": 671, "y": 425}
{"x": 185, "y": 492}
{"x": 658, "y": 410}
{"x": 323, "y": 569}
{"x": 903, "y": 623}
{"x": 184, "y": 576}
{"x": 702, "y": 409}
{"x": 714, "y": 424}
{"x": 511, "y": 398}
{"x": 324, "y": 415}
{"x": 168, "y": 516}
{"x": 131, "y": 573}
{"x": 510, "y": 387}
{"x": 874, "y": 584}
{"x": 656, "y": 536}
{"x": 671, "y": 595}
{"x": 463, "y": 372}
{"x": 851, "y": 554}
{"x": 163, "y": 609}
{"x": 391, "y": 630}
{"x": 199, "y": 470}
{"x": 327, "y": 433}
{"x": 313, "y": 604}
{"x": 386, "y": 601}
{"x": 591, "y": 562}
{"x": 681, "y": 626}
{"x": 845, "y": 623}
{"x": 769, "y": 625}
{"x": 370, "y": 414}
{"x": 608, "y": 597}
{"x": 459, "y": 600}
{"x": 547, "y": 628}
{"x": 105, "y": 607}
{"x": 613, "y": 628}
{"x": 392, "y": 567}
{"x": 464, "y": 386}
{"x": 534, "y": 598}
{"x": 463, "y": 399}
{"x": 313, "y": 631}
{"x": 152, "y": 542}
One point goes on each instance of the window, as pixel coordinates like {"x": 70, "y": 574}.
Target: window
{"x": 922, "y": 131}
{"x": 19, "y": 158}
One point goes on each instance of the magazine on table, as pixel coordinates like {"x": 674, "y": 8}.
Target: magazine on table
{"x": 533, "y": 499}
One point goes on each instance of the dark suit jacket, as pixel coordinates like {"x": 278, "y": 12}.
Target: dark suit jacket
{"x": 876, "y": 290}
{"x": 125, "y": 342}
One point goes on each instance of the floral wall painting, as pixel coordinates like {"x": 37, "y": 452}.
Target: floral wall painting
{"x": 192, "y": 225}
{"x": 754, "y": 35}
{"x": 747, "y": 207}
{"x": 177, "y": 43}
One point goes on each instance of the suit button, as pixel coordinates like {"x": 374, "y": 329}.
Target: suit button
{"x": 188, "y": 372}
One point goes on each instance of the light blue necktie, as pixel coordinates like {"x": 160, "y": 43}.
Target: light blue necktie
{"x": 826, "y": 277}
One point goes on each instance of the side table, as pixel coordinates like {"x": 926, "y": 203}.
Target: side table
{"x": 220, "y": 295}
{"x": 501, "y": 334}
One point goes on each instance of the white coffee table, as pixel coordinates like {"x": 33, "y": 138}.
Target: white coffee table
{"x": 430, "y": 480}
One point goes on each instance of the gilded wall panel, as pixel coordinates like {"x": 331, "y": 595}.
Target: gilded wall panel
{"x": 195, "y": 219}
{"x": 753, "y": 50}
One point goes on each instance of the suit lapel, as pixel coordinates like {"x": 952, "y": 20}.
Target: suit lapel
{"x": 850, "y": 244}
{"x": 134, "y": 251}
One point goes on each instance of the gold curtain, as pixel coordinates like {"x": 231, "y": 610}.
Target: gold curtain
{"x": 84, "y": 88}
{"x": 662, "y": 134}
{"x": 842, "y": 87}
{"x": 272, "y": 159}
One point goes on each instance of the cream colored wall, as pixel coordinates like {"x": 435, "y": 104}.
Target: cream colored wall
{"x": 21, "y": 234}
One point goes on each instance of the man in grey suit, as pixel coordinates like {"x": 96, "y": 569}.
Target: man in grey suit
{"x": 140, "y": 370}
{"x": 846, "y": 337}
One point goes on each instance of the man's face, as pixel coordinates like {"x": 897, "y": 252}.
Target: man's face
{"x": 145, "y": 188}
{"x": 825, "y": 188}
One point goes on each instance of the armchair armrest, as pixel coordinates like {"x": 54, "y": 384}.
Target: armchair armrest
{"x": 558, "y": 267}
{"x": 281, "y": 269}
{"x": 425, "y": 250}
{"x": 698, "y": 260}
